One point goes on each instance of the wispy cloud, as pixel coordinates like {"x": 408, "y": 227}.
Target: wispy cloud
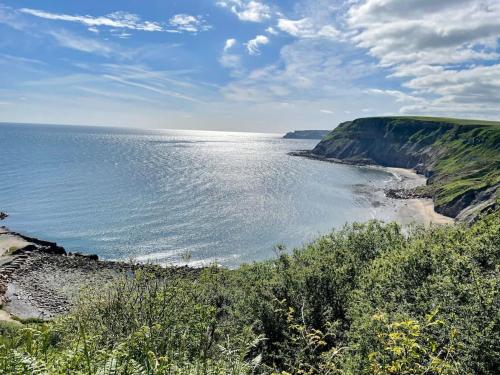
{"x": 271, "y": 30}
{"x": 10, "y": 18}
{"x": 308, "y": 28}
{"x": 116, "y": 20}
{"x": 151, "y": 88}
{"x": 188, "y": 23}
{"x": 252, "y": 11}
{"x": 6, "y": 58}
{"x": 230, "y": 43}
{"x": 231, "y": 60}
{"x": 253, "y": 45}
{"x": 76, "y": 42}
{"x": 116, "y": 95}
{"x": 308, "y": 69}
{"x": 124, "y": 20}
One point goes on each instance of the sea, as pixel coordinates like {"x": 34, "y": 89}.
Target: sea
{"x": 175, "y": 197}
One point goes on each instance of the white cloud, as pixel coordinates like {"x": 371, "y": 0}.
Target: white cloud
{"x": 18, "y": 60}
{"x": 432, "y": 32}
{"x": 271, "y": 30}
{"x": 400, "y": 96}
{"x": 308, "y": 28}
{"x": 253, "y": 45}
{"x": 231, "y": 60}
{"x": 188, "y": 23}
{"x": 445, "y": 51}
{"x": 308, "y": 68}
{"x": 10, "y": 18}
{"x": 115, "y": 20}
{"x": 326, "y": 111}
{"x": 295, "y": 28}
{"x": 230, "y": 43}
{"x": 252, "y": 11}
{"x": 125, "y": 20}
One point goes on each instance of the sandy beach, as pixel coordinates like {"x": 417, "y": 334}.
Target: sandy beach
{"x": 407, "y": 211}
{"x": 419, "y": 209}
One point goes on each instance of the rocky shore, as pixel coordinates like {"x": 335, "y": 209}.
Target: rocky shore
{"x": 40, "y": 280}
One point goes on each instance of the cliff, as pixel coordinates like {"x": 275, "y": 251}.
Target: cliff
{"x": 306, "y": 134}
{"x": 461, "y": 158}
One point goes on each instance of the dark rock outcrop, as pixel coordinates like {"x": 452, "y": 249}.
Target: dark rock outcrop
{"x": 46, "y": 247}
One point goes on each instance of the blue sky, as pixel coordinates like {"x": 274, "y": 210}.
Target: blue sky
{"x": 246, "y": 65}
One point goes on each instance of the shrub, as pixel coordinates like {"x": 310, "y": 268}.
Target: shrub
{"x": 367, "y": 299}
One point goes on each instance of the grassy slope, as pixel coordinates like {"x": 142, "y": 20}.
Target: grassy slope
{"x": 450, "y": 120}
{"x": 464, "y": 154}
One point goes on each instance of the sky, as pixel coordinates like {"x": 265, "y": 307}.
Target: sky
{"x": 246, "y": 65}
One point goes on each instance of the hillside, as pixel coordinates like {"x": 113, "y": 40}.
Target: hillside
{"x": 306, "y": 134}
{"x": 461, "y": 158}
{"x": 368, "y": 299}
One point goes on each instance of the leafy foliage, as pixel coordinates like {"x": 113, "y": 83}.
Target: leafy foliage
{"x": 367, "y": 299}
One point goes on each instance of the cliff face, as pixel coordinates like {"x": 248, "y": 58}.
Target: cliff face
{"x": 460, "y": 158}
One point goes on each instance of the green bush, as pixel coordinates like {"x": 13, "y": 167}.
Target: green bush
{"x": 370, "y": 298}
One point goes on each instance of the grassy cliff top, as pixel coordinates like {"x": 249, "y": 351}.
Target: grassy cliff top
{"x": 448, "y": 120}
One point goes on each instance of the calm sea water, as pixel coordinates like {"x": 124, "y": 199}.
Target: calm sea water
{"x": 161, "y": 195}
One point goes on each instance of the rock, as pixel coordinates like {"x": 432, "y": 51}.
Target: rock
{"x": 405, "y": 194}
{"x": 85, "y": 256}
{"x": 3, "y": 215}
{"x": 306, "y": 134}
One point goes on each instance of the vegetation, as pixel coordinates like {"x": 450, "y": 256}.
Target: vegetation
{"x": 450, "y": 120}
{"x": 367, "y": 299}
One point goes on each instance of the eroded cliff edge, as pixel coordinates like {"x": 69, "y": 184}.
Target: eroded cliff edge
{"x": 460, "y": 158}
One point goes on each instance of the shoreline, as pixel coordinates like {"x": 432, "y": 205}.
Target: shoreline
{"x": 39, "y": 279}
{"x": 409, "y": 179}
{"x": 423, "y": 206}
